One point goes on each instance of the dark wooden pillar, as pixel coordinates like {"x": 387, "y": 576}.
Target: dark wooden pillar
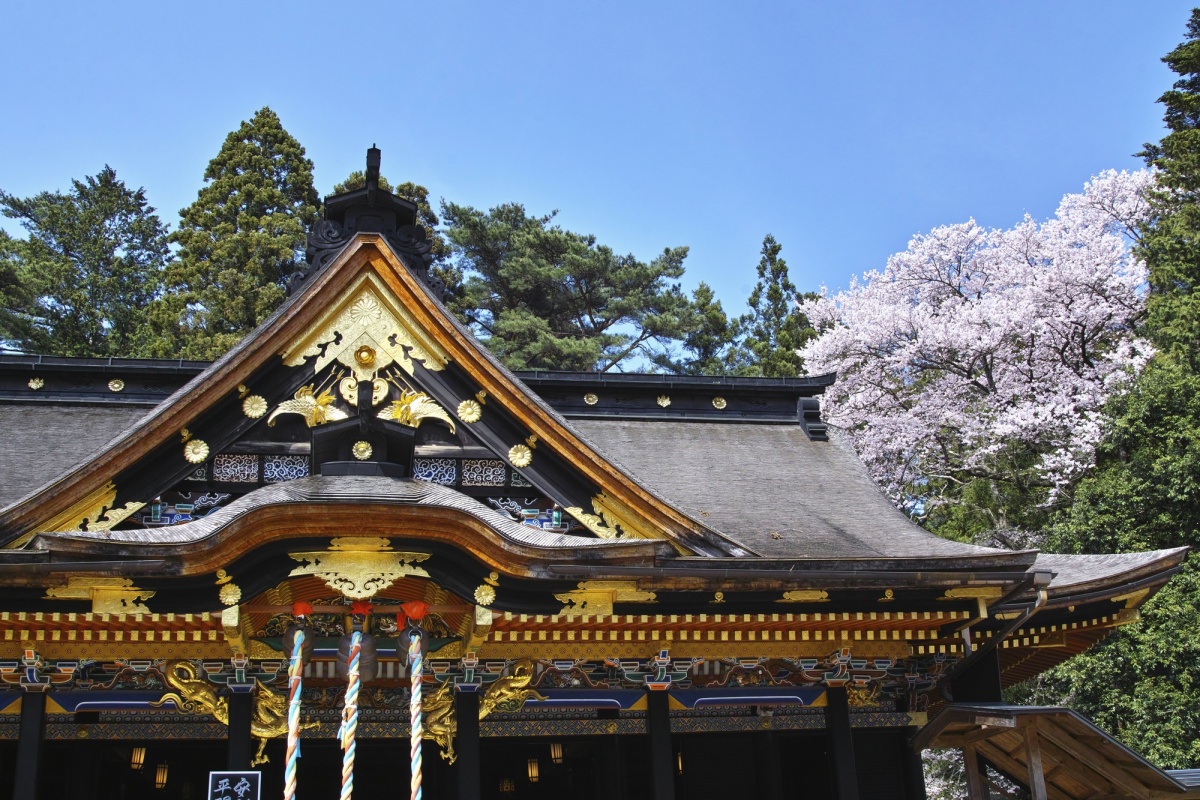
{"x": 980, "y": 682}
{"x": 914, "y": 770}
{"x": 241, "y": 707}
{"x": 766, "y": 757}
{"x": 467, "y": 766}
{"x": 841, "y": 743}
{"x": 29, "y": 745}
{"x": 662, "y": 757}
{"x": 611, "y": 768}
{"x": 975, "y": 773}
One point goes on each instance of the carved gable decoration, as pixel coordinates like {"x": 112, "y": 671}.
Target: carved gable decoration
{"x": 366, "y": 330}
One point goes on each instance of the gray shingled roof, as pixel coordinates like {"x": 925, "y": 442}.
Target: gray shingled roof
{"x": 42, "y": 442}
{"x": 755, "y": 482}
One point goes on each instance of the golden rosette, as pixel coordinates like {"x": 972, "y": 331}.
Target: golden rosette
{"x": 520, "y": 455}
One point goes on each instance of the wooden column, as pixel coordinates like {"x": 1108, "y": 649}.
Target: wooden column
{"x": 841, "y": 743}
{"x": 976, "y": 789}
{"x": 467, "y": 766}
{"x": 1033, "y": 762}
{"x": 611, "y": 768}
{"x": 241, "y": 708}
{"x": 662, "y": 757}
{"x": 770, "y": 780}
{"x": 29, "y": 745}
{"x": 914, "y": 771}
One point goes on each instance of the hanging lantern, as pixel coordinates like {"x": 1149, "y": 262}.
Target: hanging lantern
{"x": 533, "y": 770}
{"x": 368, "y": 658}
{"x": 138, "y": 758}
{"x": 556, "y": 752}
{"x": 160, "y": 777}
{"x": 679, "y": 762}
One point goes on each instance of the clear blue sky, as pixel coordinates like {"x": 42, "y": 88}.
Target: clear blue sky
{"x": 841, "y": 128}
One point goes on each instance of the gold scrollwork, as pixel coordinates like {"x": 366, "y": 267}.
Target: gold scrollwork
{"x": 96, "y": 512}
{"x": 108, "y": 595}
{"x": 359, "y": 569}
{"x": 598, "y": 597}
{"x": 367, "y": 330}
{"x": 805, "y": 596}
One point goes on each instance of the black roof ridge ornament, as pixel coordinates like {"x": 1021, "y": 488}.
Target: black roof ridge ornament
{"x": 369, "y": 210}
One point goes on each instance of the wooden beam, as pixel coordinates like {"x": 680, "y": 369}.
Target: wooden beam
{"x": 975, "y": 788}
{"x": 1033, "y": 763}
{"x": 1015, "y": 768}
{"x": 1094, "y": 759}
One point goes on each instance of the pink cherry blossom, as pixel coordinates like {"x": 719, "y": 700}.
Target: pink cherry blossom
{"x": 973, "y": 342}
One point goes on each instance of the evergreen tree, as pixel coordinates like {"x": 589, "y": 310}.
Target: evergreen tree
{"x": 238, "y": 243}
{"x": 710, "y": 342}
{"x": 775, "y": 329}
{"x": 541, "y": 297}
{"x": 1143, "y": 683}
{"x": 80, "y": 283}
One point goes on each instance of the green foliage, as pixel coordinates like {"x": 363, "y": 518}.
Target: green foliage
{"x": 775, "y": 328}
{"x": 541, "y": 297}
{"x": 1171, "y": 246}
{"x": 79, "y": 284}
{"x": 238, "y": 243}
{"x": 710, "y": 342}
{"x": 1143, "y": 682}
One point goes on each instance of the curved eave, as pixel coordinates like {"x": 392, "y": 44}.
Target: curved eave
{"x": 347, "y": 507}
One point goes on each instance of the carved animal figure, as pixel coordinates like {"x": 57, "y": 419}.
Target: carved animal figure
{"x": 195, "y": 695}
{"x": 413, "y": 407}
{"x": 440, "y": 724}
{"x": 317, "y": 409}
{"x": 510, "y": 692}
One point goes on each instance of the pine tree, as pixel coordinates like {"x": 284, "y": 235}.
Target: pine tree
{"x": 80, "y": 283}
{"x": 775, "y": 328}
{"x": 709, "y": 342}
{"x": 541, "y": 297}
{"x": 238, "y": 243}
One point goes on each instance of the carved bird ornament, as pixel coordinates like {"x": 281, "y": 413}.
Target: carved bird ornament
{"x": 317, "y": 409}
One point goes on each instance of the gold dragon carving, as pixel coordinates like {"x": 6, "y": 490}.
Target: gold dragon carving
{"x": 507, "y": 693}
{"x": 194, "y": 695}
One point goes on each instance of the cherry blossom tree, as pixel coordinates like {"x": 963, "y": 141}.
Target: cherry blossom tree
{"x": 987, "y": 355}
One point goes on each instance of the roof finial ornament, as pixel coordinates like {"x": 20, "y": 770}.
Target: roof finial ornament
{"x": 373, "y": 158}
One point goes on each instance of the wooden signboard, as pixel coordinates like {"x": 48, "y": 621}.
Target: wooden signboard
{"x": 234, "y": 785}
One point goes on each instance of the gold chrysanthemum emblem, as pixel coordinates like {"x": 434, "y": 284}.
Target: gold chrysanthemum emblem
{"x": 36, "y": 383}
{"x": 591, "y": 399}
{"x": 362, "y": 450}
{"x": 116, "y": 385}
{"x": 254, "y": 406}
{"x": 230, "y": 594}
{"x": 719, "y": 403}
{"x": 485, "y": 595}
{"x": 663, "y": 401}
{"x": 195, "y": 451}
{"x": 470, "y": 411}
{"x": 520, "y": 455}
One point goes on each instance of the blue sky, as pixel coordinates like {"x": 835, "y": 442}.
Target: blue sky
{"x": 841, "y": 128}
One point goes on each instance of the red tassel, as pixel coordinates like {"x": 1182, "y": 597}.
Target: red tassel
{"x": 415, "y": 609}
{"x": 300, "y": 608}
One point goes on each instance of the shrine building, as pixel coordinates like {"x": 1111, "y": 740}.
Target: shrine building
{"x": 357, "y": 530}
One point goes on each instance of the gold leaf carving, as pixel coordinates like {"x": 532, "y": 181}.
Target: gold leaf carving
{"x": 470, "y": 411}
{"x": 254, "y": 406}
{"x": 317, "y": 409}
{"x": 598, "y": 597}
{"x": 359, "y": 573}
{"x": 593, "y": 522}
{"x": 108, "y": 595}
{"x": 414, "y": 407}
{"x": 367, "y": 317}
{"x": 805, "y": 596}
{"x": 195, "y": 451}
{"x": 520, "y": 456}
{"x": 96, "y": 512}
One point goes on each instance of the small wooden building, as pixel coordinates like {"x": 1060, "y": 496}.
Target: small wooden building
{"x": 638, "y": 586}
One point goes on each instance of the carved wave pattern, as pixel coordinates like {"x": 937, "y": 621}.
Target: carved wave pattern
{"x": 235, "y": 468}
{"x": 483, "y": 472}
{"x": 516, "y": 480}
{"x": 436, "y": 470}
{"x": 277, "y": 469}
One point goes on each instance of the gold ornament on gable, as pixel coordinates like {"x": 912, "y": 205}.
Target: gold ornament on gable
{"x": 359, "y": 568}
{"x": 317, "y": 409}
{"x": 413, "y": 408}
{"x": 470, "y": 411}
